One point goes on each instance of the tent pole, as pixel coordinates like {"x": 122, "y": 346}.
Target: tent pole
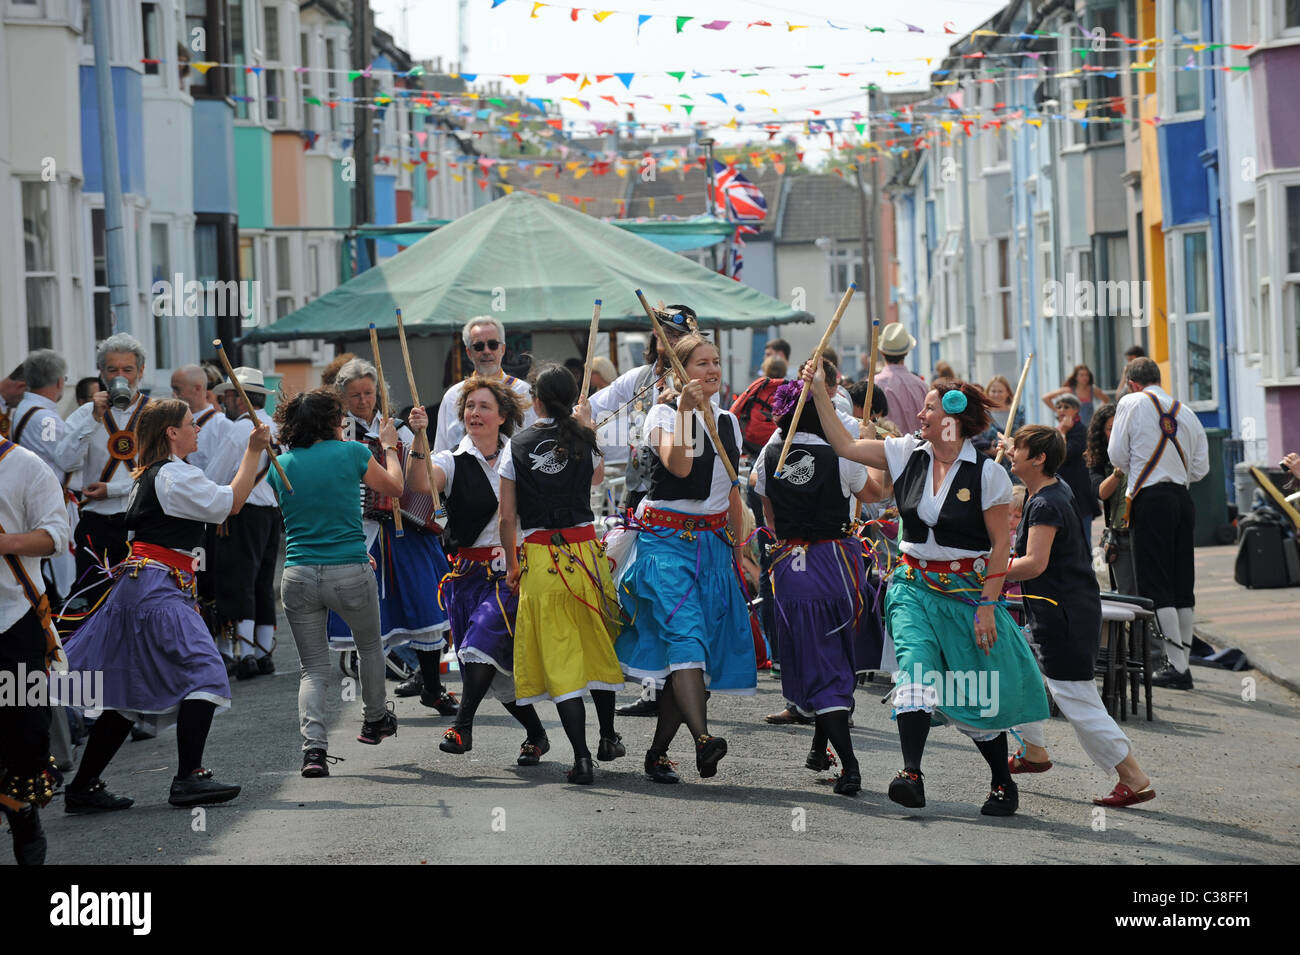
{"x": 613, "y": 350}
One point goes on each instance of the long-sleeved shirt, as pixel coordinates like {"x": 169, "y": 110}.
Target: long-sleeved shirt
{"x": 32, "y": 501}
{"x": 905, "y": 391}
{"x": 1136, "y": 433}
{"x": 42, "y": 431}
{"x": 228, "y": 450}
{"x": 212, "y": 424}
{"x": 85, "y": 445}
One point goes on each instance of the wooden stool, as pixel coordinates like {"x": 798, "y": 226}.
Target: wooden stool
{"x": 1112, "y": 660}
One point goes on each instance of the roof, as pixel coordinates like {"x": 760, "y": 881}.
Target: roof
{"x": 821, "y": 205}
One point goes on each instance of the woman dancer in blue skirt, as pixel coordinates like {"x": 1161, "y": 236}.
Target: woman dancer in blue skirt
{"x": 959, "y": 652}
{"x": 689, "y": 630}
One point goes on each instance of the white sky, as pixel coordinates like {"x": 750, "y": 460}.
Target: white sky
{"x": 508, "y": 40}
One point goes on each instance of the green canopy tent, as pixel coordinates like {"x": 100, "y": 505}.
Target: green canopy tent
{"x": 536, "y": 266}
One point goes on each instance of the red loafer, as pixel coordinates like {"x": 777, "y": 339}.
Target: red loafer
{"x": 1122, "y": 796}
{"x": 1018, "y": 764}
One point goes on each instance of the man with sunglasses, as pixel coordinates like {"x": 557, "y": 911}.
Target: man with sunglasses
{"x": 485, "y": 345}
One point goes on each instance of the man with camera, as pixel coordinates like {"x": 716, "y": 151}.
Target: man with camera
{"x": 100, "y": 438}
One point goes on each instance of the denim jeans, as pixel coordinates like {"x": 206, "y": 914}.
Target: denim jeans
{"x": 308, "y": 592}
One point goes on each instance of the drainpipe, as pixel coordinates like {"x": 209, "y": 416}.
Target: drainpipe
{"x": 968, "y": 258}
{"x": 114, "y": 234}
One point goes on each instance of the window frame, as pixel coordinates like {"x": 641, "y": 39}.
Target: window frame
{"x": 1180, "y": 318}
{"x": 1168, "y": 66}
{"x": 49, "y": 277}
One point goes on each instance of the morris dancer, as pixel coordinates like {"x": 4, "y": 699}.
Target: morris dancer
{"x": 408, "y": 567}
{"x": 478, "y": 600}
{"x": 568, "y": 609}
{"x": 955, "y": 546}
{"x": 818, "y": 581}
{"x": 156, "y": 655}
{"x": 689, "y": 630}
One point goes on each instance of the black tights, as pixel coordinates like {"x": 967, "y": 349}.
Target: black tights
{"x": 835, "y": 727}
{"x": 914, "y": 727}
{"x": 994, "y": 752}
{"x": 476, "y": 680}
{"x": 112, "y": 728}
{"x": 682, "y": 700}
{"x": 573, "y": 716}
{"x": 431, "y": 670}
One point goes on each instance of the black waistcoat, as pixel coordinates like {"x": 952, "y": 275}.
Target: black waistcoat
{"x": 665, "y": 486}
{"x": 550, "y": 491}
{"x": 961, "y": 522}
{"x": 807, "y": 501}
{"x": 471, "y": 502}
{"x": 144, "y": 515}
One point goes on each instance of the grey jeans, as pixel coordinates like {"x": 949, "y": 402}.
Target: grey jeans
{"x": 308, "y": 592}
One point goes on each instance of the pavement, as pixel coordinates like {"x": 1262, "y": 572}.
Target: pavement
{"x": 1264, "y": 624}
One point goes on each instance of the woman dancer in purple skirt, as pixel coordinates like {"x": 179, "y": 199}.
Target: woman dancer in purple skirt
{"x": 156, "y": 655}
{"x": 478, "y": 601}
{"x": 818, "y": 579}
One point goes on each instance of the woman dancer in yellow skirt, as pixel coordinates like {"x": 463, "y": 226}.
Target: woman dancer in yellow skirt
{"x": 568, "y": 609}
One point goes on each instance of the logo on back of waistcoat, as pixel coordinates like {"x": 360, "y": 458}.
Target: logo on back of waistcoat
{"x": 548, "y": 461}
{"x": 800, "y": 468}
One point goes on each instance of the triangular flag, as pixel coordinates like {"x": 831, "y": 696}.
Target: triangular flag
{"x": 626, "y": 79}
{"x": 203, "y": 65}
{"x": 520, "y": 78}
{"x": 682, "y": 21}
{"x": 677, "y": 75}
{"x": 715, "y": 25}
{"x": 600, "y": 16}
{"x": 640, "y": 22}
{"x": 652, "y": 203}
{"x": 536, "y": 7}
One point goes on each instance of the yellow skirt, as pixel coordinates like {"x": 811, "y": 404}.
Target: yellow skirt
{"x": 567, "y": 621}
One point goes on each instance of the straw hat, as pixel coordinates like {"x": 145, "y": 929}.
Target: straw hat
{"x": 894, "y": 340}
{"x": 250, "y": 378}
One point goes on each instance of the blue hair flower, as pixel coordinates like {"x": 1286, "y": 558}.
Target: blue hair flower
{"x": 954, "y": 402}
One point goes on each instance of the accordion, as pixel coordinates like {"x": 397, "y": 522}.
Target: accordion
{"x": 416, "y": 506}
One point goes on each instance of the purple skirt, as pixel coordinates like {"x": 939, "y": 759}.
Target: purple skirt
{"x": 152, "y": 647}
{"x": 481, "y": 609}
{"x": 869, "y": 636}
{"x": 818, "y": 597}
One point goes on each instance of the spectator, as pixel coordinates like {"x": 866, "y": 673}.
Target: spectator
{"x": 331, "y": 372}
{"x": 998, "y": 391}
{"x": 1161, "y": 513}
{"x": 1082, "y": 385}
{"x": 1109, "y": 484}
{"x": 943, "y": 372}
{"x": 1135, "y": 351}
{"x": 839, "y": 394}
{"x": 1073, "y": 472}
{"x": 576, "y": 367}
{"x": 86, "y": 388}
{"x": 11, "y": 392}
{"x": 1292, "y": 463}
{"x": 777, "y": 346}
{"x": 603, "y": 373}
{"x": 904, "y": 391}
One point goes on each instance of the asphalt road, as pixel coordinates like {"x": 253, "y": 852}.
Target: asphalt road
{"x": 1225, "y": 770}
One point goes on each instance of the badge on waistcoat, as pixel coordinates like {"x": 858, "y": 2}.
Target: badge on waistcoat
{"x": 963, "y": 494}
{"x": 121, "y": 445}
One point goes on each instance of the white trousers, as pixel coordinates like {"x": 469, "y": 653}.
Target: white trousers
{"x": 1099, "y": 734}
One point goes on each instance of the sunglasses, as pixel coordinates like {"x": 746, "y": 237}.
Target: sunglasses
{"x": 491, "y": 344}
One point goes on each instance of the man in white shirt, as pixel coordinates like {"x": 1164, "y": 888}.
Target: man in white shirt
{"x": 1159, "y": 443}
{"x": 101, "y": 440}
{"x": 246, "y": 553}
{"x": 485, "y": 345}
{"x": 33, "y": 525}
{"x": 37, "y": 426}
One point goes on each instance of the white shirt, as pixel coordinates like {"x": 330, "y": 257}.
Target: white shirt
{"x": 362, "y": 430}
{"x": 32, "y": 501}
{"x": 664, "y": 418}
{"x": 451, "y": 429}
{"x": 228, "y": 450}
{"x": 491, "y": 534}
{"x": 995, "y": 489}
{"x": 85, "y": 445}
{"x": 43, "y": 431}
{"x": 184, "y": 491}
{"x": 626, "y": 427}
{"x": 842, "y": 401}
{"x": 853, "y": 476}
{"x": 506, "y": 469}
{"x": 210, "y": 433}
{"x": 1136, "y": 432}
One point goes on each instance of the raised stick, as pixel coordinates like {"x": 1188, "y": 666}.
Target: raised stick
{"x": 383, "y": 404}
{"x": 706, "y": 411}
{"x": 225, "y": 363}
{"x": 1015, "y": 403}
{"x": 591, "y": 349}
{"x": 816, "y": 363}
{"x": 871, "y": 371}
{"x": 421, "y": 437}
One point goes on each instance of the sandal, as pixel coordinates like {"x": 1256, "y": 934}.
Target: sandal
{"x": 1018, "y": 764}
{"x": 1122, "y": 796}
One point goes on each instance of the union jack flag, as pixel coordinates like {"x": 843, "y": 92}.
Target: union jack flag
{"x": 737, "y": 249}
{"x": 735, "y": 196}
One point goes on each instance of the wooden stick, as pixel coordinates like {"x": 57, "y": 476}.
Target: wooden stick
{"x": 591, "y": 349}
{"x": 225, "y": 362}
{"x": 383, "y": 404}
{"x": 706, "y": 411}
{"x": 816, "y": 362}
{"x": 871, "y": 372}
{"x": 1015, "y": 404}
{"x": 421, "y": 437}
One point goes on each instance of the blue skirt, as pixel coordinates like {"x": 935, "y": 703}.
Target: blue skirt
{"x": 687, "y": 611}
{"x": 408, "y": 569}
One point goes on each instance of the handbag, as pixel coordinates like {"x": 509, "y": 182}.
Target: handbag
{"x": 1110, "y": 541}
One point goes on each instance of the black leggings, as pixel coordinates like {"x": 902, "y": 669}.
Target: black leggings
{"x": 112, "y": 728}
{"x": 476, "y": 680}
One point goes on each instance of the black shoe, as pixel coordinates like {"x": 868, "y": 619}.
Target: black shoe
{"x": 29, "y": 837}
{"x": 446, "y": 704}
{"x": 819, "y": 762}
{"x": 385, "y": 726}
{"x": 639, "y": 708}
{"x": 457, "y": 740}
{"x": 582, "y": 773}
{"x": 230, "y": 663}
{"x": 531, "y": 753}
{"x": 848, "y": 783}
{"x": 610, "y": 748}
{"x": 315, "y": 763}
{"x": 1173, "y": 679}
{"x": 142, "y": 731}
{"x": 412, "y": 687}
{"x": 265, "y": 665}
{"x": 247, "y": 668}
{"x": 94, "y": 798}
{"x": 660, "y": 768}
{"x": 199, "y": 788}
{"x": 708, "y": 751}
{"x": 908, "y": 788}
{"x": 1004, "y": 800}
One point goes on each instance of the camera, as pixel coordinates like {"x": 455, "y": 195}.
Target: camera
{"x": 119, "y": 394}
